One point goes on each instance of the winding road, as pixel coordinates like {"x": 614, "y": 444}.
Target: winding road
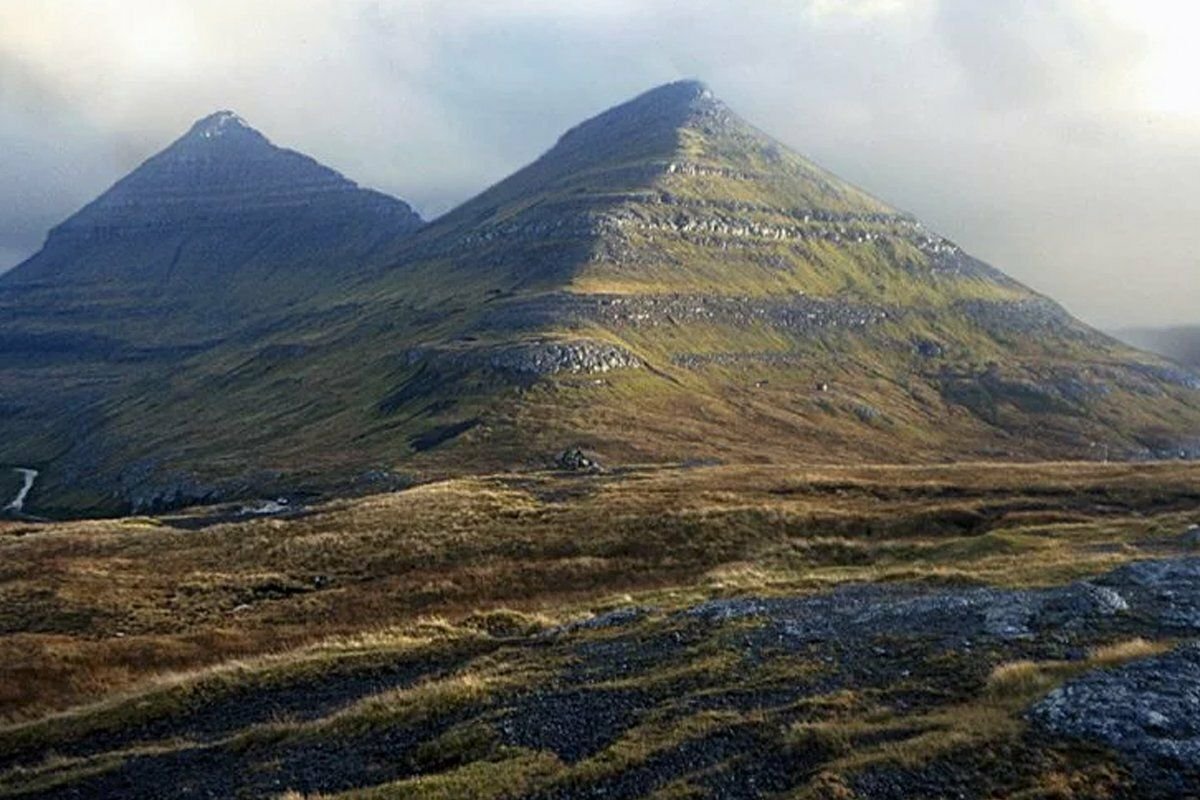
{"x": 29, "y": 476}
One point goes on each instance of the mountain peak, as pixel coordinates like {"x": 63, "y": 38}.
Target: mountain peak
{"x": 686, "y": 92}
{"x": 664, "y": 108}
{"x": 225, "y": 175}
{"x": 222, "y": 125}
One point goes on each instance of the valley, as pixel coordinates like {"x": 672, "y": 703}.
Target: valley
{"x": 1179, "y": 343}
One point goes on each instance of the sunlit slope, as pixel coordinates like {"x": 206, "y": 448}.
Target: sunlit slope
{"x": 666, "y": 283}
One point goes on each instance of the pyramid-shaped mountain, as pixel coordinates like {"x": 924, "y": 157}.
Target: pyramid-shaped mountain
{"x": 220, "y": 235}
{"x": 666, "y": 283}
{"x": 218, "y": 201}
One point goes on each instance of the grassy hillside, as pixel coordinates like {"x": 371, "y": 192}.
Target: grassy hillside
{"x": 665, "y": 284}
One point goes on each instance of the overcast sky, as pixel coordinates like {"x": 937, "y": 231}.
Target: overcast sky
{"x": 1057, "y": 139}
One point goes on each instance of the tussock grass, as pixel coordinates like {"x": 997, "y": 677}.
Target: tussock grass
{"x": 93, "y": 608}
{"x": 991, "y": 720}
{"x": 1129, "y": 650}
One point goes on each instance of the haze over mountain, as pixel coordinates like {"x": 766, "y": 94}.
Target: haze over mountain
{"x": 667, "y": 283}
{"x": 215, "y": 197}
{"x": 431, "y": 104}
{"x": 1180, "y": 343}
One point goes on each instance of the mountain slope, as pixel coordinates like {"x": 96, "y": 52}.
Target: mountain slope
{"x": 665, "y": 283}
{"x": 769, "y": 309}
{"x": 218, "y": 237}
{"x": 220, "y": 214}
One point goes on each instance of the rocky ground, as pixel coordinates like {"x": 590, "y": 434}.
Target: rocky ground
{"x": 1087, "y": 689}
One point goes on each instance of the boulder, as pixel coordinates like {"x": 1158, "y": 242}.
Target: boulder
{"x": 575, "y": 460}
{"x": 1148, "y": 711}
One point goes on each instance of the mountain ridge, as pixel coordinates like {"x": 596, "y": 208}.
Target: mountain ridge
{"x": 665, "y": 283}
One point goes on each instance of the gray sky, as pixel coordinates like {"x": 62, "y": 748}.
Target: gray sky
{"x": 1056, "y": 139}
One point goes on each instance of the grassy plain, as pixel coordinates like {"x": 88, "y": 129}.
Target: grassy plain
{"x": 124, "y": 627}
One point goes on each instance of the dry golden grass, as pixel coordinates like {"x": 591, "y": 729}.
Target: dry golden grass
{"x": 93, "y": 607}
{"x": 992, "y": 718}
{"x": 1129, "y": 650}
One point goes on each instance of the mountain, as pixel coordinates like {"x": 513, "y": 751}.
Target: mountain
{"x": 666, "y": 283}
{"x": 1180, "y": 343}
{"x": 220, "y": 210}
{"x": 217, "y": 237}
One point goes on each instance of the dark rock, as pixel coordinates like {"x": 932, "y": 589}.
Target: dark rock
{"x": 928, "y": 348}
{"x": 551, "y": 721}
{"x": 610, "y": 619}
{"x": 1148, "y": 711}
{"x": 575, "y": 460}
{"x": 866, "y": 413}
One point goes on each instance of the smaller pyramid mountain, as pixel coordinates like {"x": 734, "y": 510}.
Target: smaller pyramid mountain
{"x": 222, "y": 178}
{"x": 221, "y": 237}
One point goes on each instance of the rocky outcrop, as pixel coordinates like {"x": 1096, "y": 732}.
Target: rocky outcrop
{"x": 549, "y": 358}
{"x": 954, "y": 618}
{"x": 1148, "y": 711}
{"x": 529, "y": 359}
{"x": 573, "y": 459}
{"x": 794, "y": 312}
{"x": 715, "y": 224}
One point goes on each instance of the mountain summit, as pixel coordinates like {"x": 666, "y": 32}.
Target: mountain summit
{"x": 665, "y": 283}
{"x": 221, "y": 124}
{"x": 222, "y": 179}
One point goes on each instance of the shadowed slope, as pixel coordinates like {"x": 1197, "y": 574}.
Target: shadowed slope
{"x": 217, "y": 238}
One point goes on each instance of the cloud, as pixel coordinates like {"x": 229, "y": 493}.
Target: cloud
{"x": 1049, "y": 136}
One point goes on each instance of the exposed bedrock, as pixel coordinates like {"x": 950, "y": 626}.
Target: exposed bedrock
{"x": 794, "y": 312}
{"x": 529, "y": 358}
{"x": 1149, "y": 710}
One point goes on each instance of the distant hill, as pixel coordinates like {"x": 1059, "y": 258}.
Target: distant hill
{"x": 1181, "y": 343}
{"x": 666, "y": 283}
